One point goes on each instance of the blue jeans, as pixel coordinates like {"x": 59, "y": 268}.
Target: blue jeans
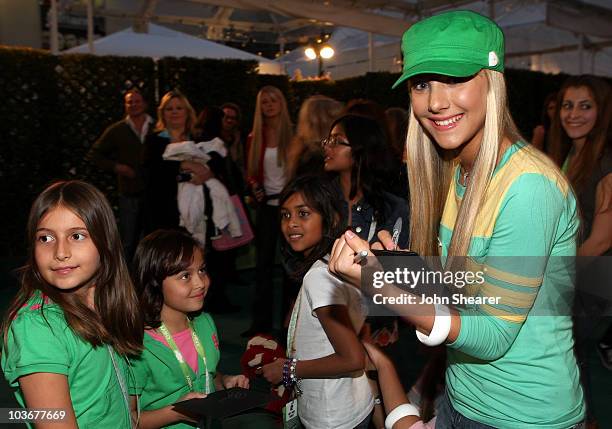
{"x": 449, "y": 418}
{"x": 365, "y": 424}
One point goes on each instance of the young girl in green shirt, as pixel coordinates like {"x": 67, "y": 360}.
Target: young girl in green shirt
{"x": 76, "y": 317}
{"x": 181, "y": 345}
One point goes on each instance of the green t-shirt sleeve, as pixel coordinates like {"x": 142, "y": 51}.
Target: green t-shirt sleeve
{"x": 36, "y": 344}
{"x": 211, "y": 323}
{"x": 535, "y": 217}
{"x": 138, "y": 375}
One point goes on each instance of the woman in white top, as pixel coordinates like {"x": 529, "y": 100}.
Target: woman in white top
{"x": 267, "y": 149}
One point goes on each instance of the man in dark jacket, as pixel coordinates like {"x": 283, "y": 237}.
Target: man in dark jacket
{"x": 120, "y": 150}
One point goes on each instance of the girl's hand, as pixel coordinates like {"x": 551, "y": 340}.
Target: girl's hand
{"x": 273, "y": 372}
{"x": 188, "y": 396}
{"x": 230, "y": 381}
{"x": 342, "y": 261}
{"x": 192, "y": 395}
{"x": 376, "y": 355}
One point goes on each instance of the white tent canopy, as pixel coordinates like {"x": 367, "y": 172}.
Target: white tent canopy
{"x": 566, "y": 36}
{"x": 164, "y": 42}
{"x": 570, "y": 36}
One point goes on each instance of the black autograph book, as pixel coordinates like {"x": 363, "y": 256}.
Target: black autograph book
{"x": 224, "y": 403}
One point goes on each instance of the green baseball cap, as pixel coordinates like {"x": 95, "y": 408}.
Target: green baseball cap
{"x": 458, "y": 43}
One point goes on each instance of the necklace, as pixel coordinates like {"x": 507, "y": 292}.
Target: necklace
{"x": 465, "y": 175}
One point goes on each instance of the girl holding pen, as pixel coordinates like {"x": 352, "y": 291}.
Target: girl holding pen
{"x": 478, "y": 191}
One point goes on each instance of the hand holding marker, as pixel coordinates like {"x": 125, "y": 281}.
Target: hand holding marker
{"x": 361, "y": 256}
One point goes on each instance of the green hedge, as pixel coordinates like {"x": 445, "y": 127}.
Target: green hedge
{"x": 55, "y": 107}
{"x": 27, "y": 131}
{"x": 210, "y": 82}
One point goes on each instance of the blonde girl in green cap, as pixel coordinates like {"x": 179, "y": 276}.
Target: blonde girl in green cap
{"x": 484, "y": 201}
{"x": 76, "y": 317}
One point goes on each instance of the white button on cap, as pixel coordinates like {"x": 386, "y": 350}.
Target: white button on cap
{"x": 358, "y": 229}
{"x": 493, "y": 60}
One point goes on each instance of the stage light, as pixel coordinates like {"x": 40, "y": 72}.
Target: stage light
{"x": 310, "y": 53}
{"x": 326, "y": 52}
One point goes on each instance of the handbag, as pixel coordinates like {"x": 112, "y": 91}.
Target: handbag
{"x": 226, "y": 241}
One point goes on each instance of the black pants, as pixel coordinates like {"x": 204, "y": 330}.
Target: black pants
{"x": 221, "y": 266}
{"x": 267, "y": 231}
{"x": 130, "y": 223}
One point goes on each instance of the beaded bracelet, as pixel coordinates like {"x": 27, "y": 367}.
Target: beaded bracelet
{"x": 290, "y": 378}
{"x": 286, "y": 380}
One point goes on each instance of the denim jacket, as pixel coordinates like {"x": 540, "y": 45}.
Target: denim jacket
{"x": 361, "y": 218}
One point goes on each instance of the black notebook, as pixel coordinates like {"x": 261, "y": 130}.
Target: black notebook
{"x": 224, "y": 403}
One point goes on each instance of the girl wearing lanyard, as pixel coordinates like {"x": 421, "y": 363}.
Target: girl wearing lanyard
{"x": 322, "y": 344}
{"x": 76, "y": 318}
{"x": 478, "y": 191}
{"x": 181, "y": 347}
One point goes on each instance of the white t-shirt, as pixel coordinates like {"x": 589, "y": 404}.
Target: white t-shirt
{"x": 336, "y": 402}
{"x": 274, "y": 175}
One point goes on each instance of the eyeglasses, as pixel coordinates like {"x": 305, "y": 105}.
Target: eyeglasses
{"x": 333, "y": 141}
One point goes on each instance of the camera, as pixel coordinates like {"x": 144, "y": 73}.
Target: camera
{"x": 183, "y": 176}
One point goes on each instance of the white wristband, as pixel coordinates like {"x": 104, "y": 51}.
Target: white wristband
{"x": 439, "y": 330}
{"x": 399, "y": 412}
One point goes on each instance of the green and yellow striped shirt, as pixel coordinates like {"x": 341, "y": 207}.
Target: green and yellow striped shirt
{"x": 513, "y": 363}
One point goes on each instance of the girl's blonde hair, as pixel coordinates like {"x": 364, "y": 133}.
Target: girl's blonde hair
{"x": 315, "y": 118}
{"x": 430, "y": 171}
{"x": 191, "y": 115}
{"x": 284, "y": 132}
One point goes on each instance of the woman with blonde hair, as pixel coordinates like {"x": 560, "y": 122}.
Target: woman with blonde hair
{"x": 176, "y": 116}
{"x": 485, "y": 204}
{"x": 314, "y": 120}
{"x": 267, "y": 163}
{"x": 175, "y": 123}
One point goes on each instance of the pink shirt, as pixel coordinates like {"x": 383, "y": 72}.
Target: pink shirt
{"x": 184, "y": 342}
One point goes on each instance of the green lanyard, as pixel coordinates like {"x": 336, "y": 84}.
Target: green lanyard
{"x": 293, "y": 325}
{"x": 181, "y": 360}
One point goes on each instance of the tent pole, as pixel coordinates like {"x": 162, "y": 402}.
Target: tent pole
{"x": 370, "y": 53}
{"x": 54, "y": 42}
{"x": 492, "y": 9}
{"x": 90, "y": 26}
{"x": 581, "y": 54}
